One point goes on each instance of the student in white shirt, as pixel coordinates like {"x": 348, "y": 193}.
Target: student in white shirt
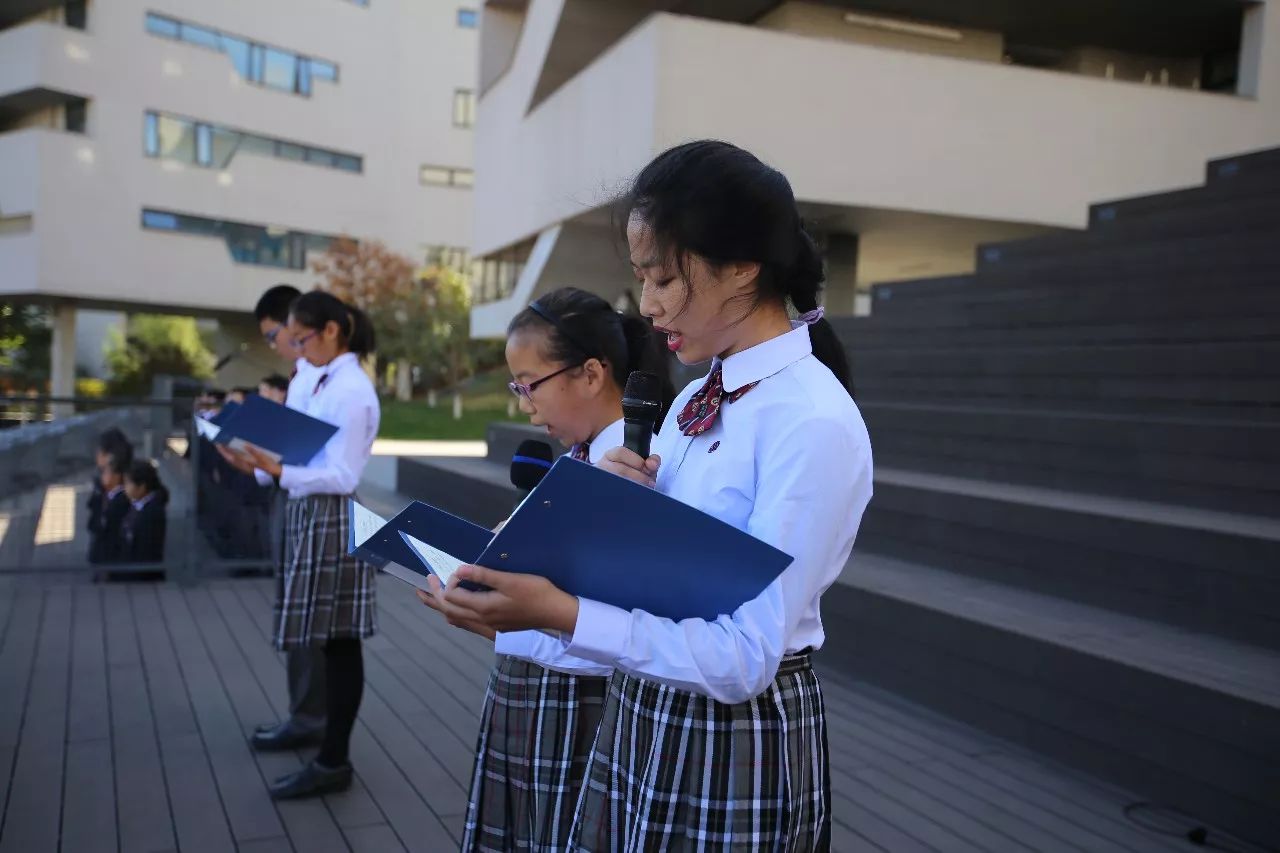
{"x": 570, "y": 355}
{"x": 304, "y": 665}
{"x": 714, "y": 733}
{"x": 325, "y": 597}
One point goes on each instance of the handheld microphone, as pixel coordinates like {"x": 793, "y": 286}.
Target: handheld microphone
{"x": 530, "y": 464}
{"x": 640, "y": 407}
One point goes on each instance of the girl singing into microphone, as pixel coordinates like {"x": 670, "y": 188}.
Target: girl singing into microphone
{"x": 570, "y": 355}
{"x": 325, "y": 597}
{"x": 714, "y": 733}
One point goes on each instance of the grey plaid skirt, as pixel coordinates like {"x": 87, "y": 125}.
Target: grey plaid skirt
{"x": 536, "y": 733}
{"x": 673, "y": 770}
{"x": 321, "y": 592}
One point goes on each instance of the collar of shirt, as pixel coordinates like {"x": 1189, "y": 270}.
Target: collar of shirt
{"x": 117, "y": 490}
{"x": 143, "y": 501}
{"x": 609, "y": 438}
{"x": 765, "y": 359}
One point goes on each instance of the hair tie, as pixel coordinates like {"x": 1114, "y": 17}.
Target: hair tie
{"x": 811, "y": 317}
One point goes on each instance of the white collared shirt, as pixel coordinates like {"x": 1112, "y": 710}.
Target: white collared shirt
{"x": 143, "y": 501}
{"x": 544, "y": 649}
{"x": 790, "y": 463}
{"x": 346, "y": 398}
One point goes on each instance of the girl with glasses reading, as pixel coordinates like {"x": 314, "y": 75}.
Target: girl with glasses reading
{"x": 714, "y": 731}
{"x": 570, "y": 355}
{"x": 325, "y": 597}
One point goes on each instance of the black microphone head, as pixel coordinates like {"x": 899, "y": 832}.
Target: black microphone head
{"x": 530, "y": 464}
{"x": 641, "y": 400}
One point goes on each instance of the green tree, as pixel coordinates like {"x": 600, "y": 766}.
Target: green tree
{"x": 154, "y": 345}
{"x": 422, "y": 316}
{"x": 25, "y": 337}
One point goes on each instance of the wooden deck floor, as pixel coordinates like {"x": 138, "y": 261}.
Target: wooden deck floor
{"x": 124, "y": 710}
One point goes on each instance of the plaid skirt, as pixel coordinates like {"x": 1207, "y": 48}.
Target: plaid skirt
{"x": 536, "y": 733}
{"x": 673, "y": 770}
{"x": 322, "y": 592}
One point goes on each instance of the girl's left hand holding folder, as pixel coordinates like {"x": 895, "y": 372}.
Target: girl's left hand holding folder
{"x": 452, "y": 614}
{"x": 513, "y": 602}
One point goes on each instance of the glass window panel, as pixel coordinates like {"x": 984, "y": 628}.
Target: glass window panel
{"x": 204, "y": 145}
{"x": 289, "y": 151}
{"x": 317, "y": 242}
{"x": 202, "y": 36}
{"x": 463, "y": 108}
{"x": 463, "y": 178}
{"x": 280, "y": 70}
{"x": 320, "y": 157}
{"x": 176, "y": 139}
{"x": 348, "y": 162}
{"x": 304, "y": 77}
{"x": 159, "y": 220}
{"x": 223, "y": 146}
{"x": 74, "y": 14}
{"x": 239, "y": 51}
{"x": 257, "y": 58}
{"x": 258, "y": 145}
{"x": 433, "y": 175}
{"x": 162, "y": 26}
{"x": 324, "y": 70}
{"x": 150, "y": 136}
{"x": 467, "y": 18}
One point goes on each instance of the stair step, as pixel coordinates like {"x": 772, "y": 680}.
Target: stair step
{"x": 1189, "y": 719}
{"x": 1258, "y": 167}
{"x": 1209, "y": 201}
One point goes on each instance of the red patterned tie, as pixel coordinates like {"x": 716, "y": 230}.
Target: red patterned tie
{"x": 704, "y": 406}
{"x": 581, "y": 451}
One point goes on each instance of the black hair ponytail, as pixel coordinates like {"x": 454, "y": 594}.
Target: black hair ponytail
{"x": 719, "y": 202}
{"x": 580, "y": 325}
{"x": 317, "y": 309}
{"x": 144, "y": 473}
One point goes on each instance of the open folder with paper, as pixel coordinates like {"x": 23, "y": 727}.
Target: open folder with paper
{"x": 603, "y": 537}
{"x": 388, "y": 544}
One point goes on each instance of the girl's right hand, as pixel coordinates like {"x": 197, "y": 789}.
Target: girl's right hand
{"x": 627, "y": 463}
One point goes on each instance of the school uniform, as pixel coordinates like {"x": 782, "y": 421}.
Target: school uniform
{"x": 144, "y": 530}
{"x": 541, "y": 712}
{"x": 106, "y": 539}
{"x": 714, "y": 733}
{"x": 322, "y": 593}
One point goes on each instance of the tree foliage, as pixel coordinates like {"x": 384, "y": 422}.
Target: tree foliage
{"x": 155, "y": 345}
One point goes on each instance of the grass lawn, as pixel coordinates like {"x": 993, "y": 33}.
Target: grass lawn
{"x": 484, "y": 400}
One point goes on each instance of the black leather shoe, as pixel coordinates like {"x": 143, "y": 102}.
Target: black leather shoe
{"x": 285, "y": 736}
{"x": 312, "y": 781}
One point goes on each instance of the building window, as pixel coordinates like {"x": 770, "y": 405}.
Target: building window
{"x": 494, "y": 277}
{"x": 444, "y": 176}
{"x": 75, "y": 113}
{"x": 171, "y": 137}
{"x": 265, "y": 65}
{"x": 464, "y": 108}
{"x": 468, "y": 19}
{"x": 454, "y": 258}
{"x": 73, "y": 13}
{"x": 258, "y": 245}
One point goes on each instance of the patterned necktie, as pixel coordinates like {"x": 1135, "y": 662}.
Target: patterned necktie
{"x": 581, "y": 451}
{"x": 704, "y": 406}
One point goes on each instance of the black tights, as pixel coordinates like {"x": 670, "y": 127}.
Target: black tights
{"x": 344, "y": 671}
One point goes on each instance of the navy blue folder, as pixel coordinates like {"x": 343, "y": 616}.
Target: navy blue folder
{"x": 459, "y": 537}
{"x": 292, "y": 435}
{"x": 227, "y": 410}
{"x": 600, "y": 536}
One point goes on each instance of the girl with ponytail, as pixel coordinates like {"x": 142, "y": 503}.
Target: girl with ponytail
{"x": 325, "y": 597}
{"x": 714, "y": 731}
{"x": 570, "y": 355}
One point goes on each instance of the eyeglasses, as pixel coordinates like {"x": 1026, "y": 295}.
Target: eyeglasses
{"x": 525, "y": 392}
{"x": 299, "y": 343}
{"x": 270, "y": 337}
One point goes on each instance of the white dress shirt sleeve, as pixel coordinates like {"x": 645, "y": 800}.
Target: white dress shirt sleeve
{"x": 345, "y": 455}
{"x": 799, "y": 508}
